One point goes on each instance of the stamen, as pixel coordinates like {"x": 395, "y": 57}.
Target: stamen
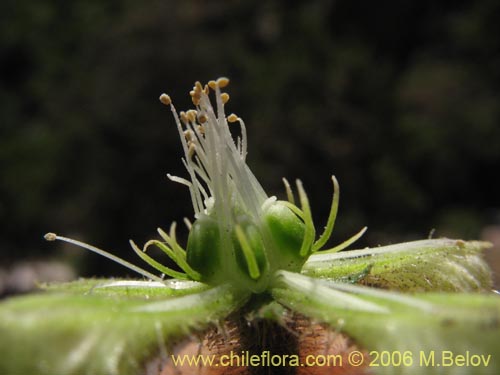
{"x": 165, "y": 99}
{"x": 191, "y": 115}
{"x": 188, "y": 134}
{"x": 198, "y": 87}
{"x": 196, "y": 93}
{"x": 225, "y": 97}
{"x": 212, "y": 84}
{"x": 50, "y": 237}
{"x": 53, "y": 237}
{"x": 214, "y": 159}
{"x": 179, "y": 180}
{"x": 201, "y": 128}
{"x": 244, "y": 139}
{"x": 195, "y": 196}
{"x": 222, "y": 82}
{"x": 195, "y": 100}
{"x": 184, "y": 117}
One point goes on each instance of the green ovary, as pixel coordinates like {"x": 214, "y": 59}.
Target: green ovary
{"x": 287, "y": 231}
{"x": 204, "y": 239}
{"x": 253, "y": 251}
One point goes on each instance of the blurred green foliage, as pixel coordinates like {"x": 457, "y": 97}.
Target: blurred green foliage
{"x": 398, "y": 99}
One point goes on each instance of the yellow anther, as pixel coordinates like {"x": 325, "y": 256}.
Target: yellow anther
{"x": 197, "y": 86}
{"x": 232, "y": 118}
{"x": 188, "y": 134}
{"x": 223, "y": 82}
{"x": 225, "y": 97}
{"x": 195, "y": 96}
{"x": 50, "y": 237}
{"x": 201, "y": 129}
{"x": 212, "y": 84}
{"x": 191, "y": 115}
{"x": 206, "y": 89}
{"x": 165, "y": 99}
{"x": 184, "y": 117}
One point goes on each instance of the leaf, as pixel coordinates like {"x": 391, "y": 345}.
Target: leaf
{"x": 428, "y": 265}
{"x": 422, "y": 324}
{"x": 110, "y": 330}
{"x": 128, "y": 288}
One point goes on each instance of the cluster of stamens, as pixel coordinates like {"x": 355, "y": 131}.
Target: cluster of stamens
{"x": 204, "y": 136}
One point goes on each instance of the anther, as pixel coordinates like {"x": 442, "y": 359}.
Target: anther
{"x": 225, "y": 97}
{"x": 232, "y": 118}
{"x": 197, "y": 87}
{"x": 191, "y": 115}
{"x": 165, "y": 99}
{"x": 188, "y": 134}
{"x": 222, "y": 82}
{"x": 51, "y": 236}
{"x": 195, "y": 96}
{"x": 201, "y": 129}
{"x": 212, "y": 84}
{"x": 184, "y": 117}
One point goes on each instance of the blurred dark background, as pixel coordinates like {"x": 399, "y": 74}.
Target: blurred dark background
{"x": 399, "y": 99}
